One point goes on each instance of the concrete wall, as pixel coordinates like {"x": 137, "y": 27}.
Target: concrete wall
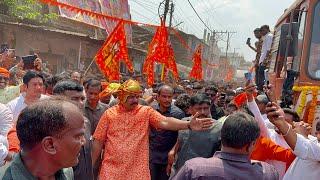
{"x": 59, "y": 50}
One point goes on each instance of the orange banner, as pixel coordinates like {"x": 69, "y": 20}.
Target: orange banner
{"x": 113, "y": 50}
{"x": 196, "y": 72}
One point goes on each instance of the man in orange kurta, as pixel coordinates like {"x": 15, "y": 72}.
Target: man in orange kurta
{"x": 124, "y": 131}
{"x": 266, "y": 149}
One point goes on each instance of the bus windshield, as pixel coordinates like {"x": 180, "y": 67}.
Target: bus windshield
{"x": 314, "y": 54}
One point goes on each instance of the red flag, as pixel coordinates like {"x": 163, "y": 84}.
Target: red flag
{"x": 159, "y": 51}
{"x": 171, "y": 63}
{"x": 113, "y": 50}
{"x": 229, "y": 75}
{"x": 240, "y": 99}
{"x": 196, "y": 72}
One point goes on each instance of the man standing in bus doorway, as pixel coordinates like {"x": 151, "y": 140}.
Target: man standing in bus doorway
{"x": 257, "y": 49}
{"x": 267, "y": 38}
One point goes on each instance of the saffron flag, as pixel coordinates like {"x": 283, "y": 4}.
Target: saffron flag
{"x": 229, "y": 75}
{"x": 196, "y": 72}
{"x": 160, "y": 51}
{"x": 112, "y": 52}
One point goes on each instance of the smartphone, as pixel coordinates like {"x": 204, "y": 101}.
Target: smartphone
{"x": 28, "y": 61}
{"x": 269, "y": 111}
{"x": 248, "y": 40}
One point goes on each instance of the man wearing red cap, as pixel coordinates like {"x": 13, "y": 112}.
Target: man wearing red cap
{"x": 124, "y": 132}
{"x": 7, "y": 93}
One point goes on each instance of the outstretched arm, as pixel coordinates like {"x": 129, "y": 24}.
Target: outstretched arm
{"x": 195, "y": 124}
{"x": 253, "y": 107}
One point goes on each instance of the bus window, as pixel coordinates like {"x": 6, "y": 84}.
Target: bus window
{"x": 313, "y": 67}
{"x": 302, "y": 23}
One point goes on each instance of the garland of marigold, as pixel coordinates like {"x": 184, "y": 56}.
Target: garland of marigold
{"x": 313, "y": 105}
{"x": 304, "y": 90}
{"x": 302, "y": 102}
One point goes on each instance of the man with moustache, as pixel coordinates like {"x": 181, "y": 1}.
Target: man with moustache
{"x": 192, "y": 144}
{"x": 124, "y": 132}
{"x": 51, "y": 134}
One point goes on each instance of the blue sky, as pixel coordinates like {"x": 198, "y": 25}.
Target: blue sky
{"x": 241, "y": 16}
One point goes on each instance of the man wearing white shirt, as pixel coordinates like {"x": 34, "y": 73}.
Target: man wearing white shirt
{"x": 33, "y": 83}
{"x": 262, "y": 101}
{"x": 269, "y": 133}
{"x": 5, "y": 120}
{"x": 265, "y": 50}
{"x": 307, "y": 164}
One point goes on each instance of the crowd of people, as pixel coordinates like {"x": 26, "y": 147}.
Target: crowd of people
{"x": 76, "y": 126}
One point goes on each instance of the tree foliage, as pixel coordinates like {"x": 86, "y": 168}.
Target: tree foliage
{"x": 27, "y": 10}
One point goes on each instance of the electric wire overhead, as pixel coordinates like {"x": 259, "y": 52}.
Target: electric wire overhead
{"x": 200, "y": 17}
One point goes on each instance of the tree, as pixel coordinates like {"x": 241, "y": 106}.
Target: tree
{"x": 26, "y": 10}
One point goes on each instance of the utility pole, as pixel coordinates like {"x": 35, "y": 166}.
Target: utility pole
{"x": 227, "y": 48}
{"x": 228, "y": 38}
{"x": 171, "y": 14}
{"x": 228, "y": 42}
{"x": 234, "y": 55}
{"x": 166, "y": 9}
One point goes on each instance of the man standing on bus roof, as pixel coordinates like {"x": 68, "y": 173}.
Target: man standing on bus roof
{"x": 257, "y": 49}
{"x": 267, "y": 38}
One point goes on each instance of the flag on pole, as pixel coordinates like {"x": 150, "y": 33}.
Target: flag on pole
{"x": 160, "y": 51}
{"x": 196, "y": 72}
{"x": 112, "y": 52}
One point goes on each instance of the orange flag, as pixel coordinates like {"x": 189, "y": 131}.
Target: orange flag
{"x": 196, "y": 72}
{"x": 159, "y": 51}
{"x": 112, "y": 52}
{"x": 229, "y": 75}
